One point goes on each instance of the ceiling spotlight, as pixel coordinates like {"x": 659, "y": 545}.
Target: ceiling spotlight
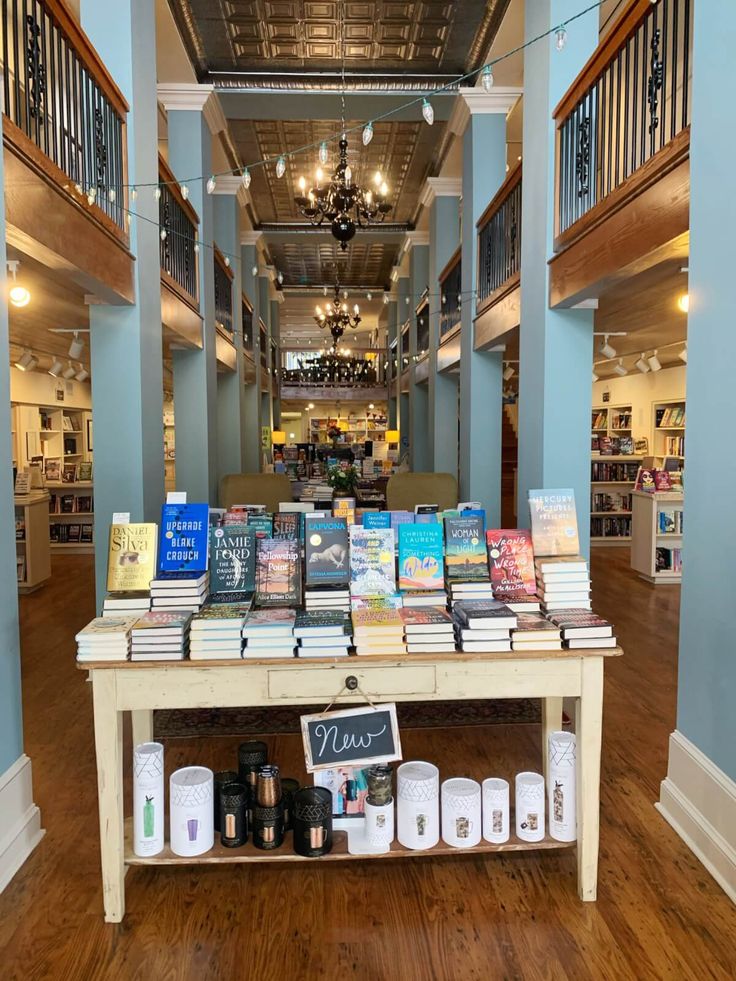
{"x": 324, "y": 291}
{"x": 76, "y": 347}
{"x": 311, "y": 404}
{"x": 26, "y": 362}
{"x": 370, "y": 405}
{"x": 55, "y": 369}
{"x": 641, "y": 364}
{"x": 18, "y": 295}
{"x": 683, "y": 302}
{"x": 619, "y": 368}
{"x": 508, "y": 372}
{"x": 427, "y": 112}
{"x": 606, "y": 350}
{"x": 486, "y": 78}
{"x": 683, "y": 355}
{"x": 654, "y": 362}
{"x": 82, "y": 375}
{"x": 69, "y": 372}
{"x": 595, "y": 377}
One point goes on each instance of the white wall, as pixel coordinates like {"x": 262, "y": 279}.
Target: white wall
{"x": 641, "y": 392}
{"x": 39, "y": 388}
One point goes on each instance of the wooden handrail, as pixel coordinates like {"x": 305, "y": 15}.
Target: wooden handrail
{"x": 624, "y": 28}
{"x": 246, "y": 302}
{"x": 167, "y": 176}
{"x": 220, "y": 260}
{"x": 512, "y": 179}
{"x": 87, "y": 54}
{"x": 452, "y": 262}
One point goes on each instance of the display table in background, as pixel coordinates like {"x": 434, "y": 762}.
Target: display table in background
{"x": 140, "y": 688}
{"x": 33, "y": 554}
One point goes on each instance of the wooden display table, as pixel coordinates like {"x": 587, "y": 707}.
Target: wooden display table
{"x": 32, "y": 549}
{"x": 142, "y": 687}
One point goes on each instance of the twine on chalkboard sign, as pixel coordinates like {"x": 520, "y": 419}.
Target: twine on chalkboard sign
{"x": 351, "y": 683}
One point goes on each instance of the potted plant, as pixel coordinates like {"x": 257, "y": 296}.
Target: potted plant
{"x": 343, "y": 479}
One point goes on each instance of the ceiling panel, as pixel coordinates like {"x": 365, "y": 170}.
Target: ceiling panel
{"x": 366, "y": 263}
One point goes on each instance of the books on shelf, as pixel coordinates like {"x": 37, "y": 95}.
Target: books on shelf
{"x": 322, "y": 633}
{"x": 428, "y": 631}
{"x": 580, "y": 629}
{"x": 424, "y": 597}
{"x": 668, "y": 559}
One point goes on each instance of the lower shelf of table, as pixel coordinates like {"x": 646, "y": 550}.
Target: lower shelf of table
{"x": 220, "y": 855}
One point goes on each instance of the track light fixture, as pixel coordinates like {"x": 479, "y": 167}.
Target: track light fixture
{"x": 55, "y": 369}
{"x": 683, "y": 355}
{"x": 595, "y": 377}
{"x": 69, "y": 372}
{"x": 654, "y": 362}
{"x": 641, "y": 364}
{"x": 27, "y": 361}
{"x": 683, "y": 302}
{"x": 76, "y": 347}
{"x": 82, "y": 374}
{"x": 508, "y": 372}
{"x": 18, "y": 294}
{"x": 606, "y": 349}
{"x": 619, "y": 369}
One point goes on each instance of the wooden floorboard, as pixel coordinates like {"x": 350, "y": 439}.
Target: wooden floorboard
{"x": 500, "y": 916}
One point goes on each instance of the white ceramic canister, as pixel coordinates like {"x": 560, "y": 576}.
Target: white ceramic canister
{"x": 191, "y": 815}
{"x": 461, "y": 812}
{"x": 529, "y": 806}
{"x": 496, "y": 810}
{"x": 418, "y": 805}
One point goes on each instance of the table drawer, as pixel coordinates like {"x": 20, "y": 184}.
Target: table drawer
{"x": 315, "y": 684}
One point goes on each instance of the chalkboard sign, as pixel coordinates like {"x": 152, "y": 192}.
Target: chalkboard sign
{"x": 350, "y": 737}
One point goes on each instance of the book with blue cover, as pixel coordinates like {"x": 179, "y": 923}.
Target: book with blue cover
{"x": 401, "y": 518}
{"x": 183, "y": 538}
{"x": 377, "y": 519}
{"x": 421, "y": 559}
{"x": 465, "y": 549}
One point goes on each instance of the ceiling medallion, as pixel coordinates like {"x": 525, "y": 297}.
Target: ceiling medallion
{"x": 345, "y": 205}
{"x": 336, "y": 317}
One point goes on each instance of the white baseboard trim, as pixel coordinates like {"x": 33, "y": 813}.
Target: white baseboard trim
{"x": 20, "y": 819}
{"x": 699, "y": 801}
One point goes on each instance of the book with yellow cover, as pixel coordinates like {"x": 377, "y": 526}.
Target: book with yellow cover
{"x": 131, "y": 558}
{"x": 371, "y": 623}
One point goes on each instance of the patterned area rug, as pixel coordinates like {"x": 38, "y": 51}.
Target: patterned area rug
{"x": 412, "y": 715}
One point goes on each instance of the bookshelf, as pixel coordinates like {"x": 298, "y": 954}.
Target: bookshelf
{"x": 169, "y": 446}
{"x": 656, "y": 543}
{"x": 71, "y": 516}
{"x": 668, "y": 428}
{"x": 356, "y": 429}
{"x": 32, "y": 555}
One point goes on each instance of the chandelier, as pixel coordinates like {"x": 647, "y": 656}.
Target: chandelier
{"x": 345, "y": 205}
{"x": 336, "y": 317}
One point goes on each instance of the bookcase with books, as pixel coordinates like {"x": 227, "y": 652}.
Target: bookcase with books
{"x": 33, "y": 562}
{"x": 169, "y": 446}
{"x": 613, "y": 473}
{"x": 669, "y": 430}
{"x": 656, "y": 545}
{"x": 355, "y": 429}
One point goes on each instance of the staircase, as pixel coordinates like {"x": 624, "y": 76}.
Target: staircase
{"x": 509, "y": 456}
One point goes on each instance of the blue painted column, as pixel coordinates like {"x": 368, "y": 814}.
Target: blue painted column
{"x": 125, "y": 342}
{"x": 276, "y": 336}
{"x": 252, "y": 390}
{"x": 555, "y": 346}
{"x": 11, "y": 719}
{"x": 392, "y": 315}
{"x": 481, "y": 382}
{"x": 418, "y": 394}
{"x": 195, "y": 372}
{"x": 230, "y": 391}
{"x": 402, "y": 399}
{"x": 707, "y": 665}
{"x": 442, "y": 197}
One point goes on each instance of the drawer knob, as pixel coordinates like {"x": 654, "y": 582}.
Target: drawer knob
{"x": 351, "y": 682}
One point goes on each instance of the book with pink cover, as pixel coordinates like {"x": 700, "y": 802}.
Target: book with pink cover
{"x": 511, "y": 559}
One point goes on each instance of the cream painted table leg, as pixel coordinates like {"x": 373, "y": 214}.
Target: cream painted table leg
{"x": 588, "y": 729}
{"x": 551, "y": 722}
{"x": 142, "y": 723}
{"x": 109, "y": 750}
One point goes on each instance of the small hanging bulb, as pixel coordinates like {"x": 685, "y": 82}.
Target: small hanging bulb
{"x": 162, "y": 233}
{"x": 323, "y": 153}
{"x": 356, "y": 309}
{"x": 344, "y": 294}
{"x": 280, "y": 277}
{"x": 128, "y": 219}
{"x": 385, "y": 299}
{"x": 407, "y": 300}
{"x": 246, "y": 178}
{"x": 79, "y": 189}
{"x": 560, "y": 38}
{"x": 91, "y": 195}
{"x": 348, "y": 175}
{"x": 369, "y": 197}
{"x": 487, "y": 79}
{"x": 427, "y": 112}
{"x": 369, "y": 295}
{"x": 367, "y": 133}
{"x": 302, "y": 185}
{"x": 184, "y": 191}
{"x": 211, "y": 184}
{"x": 227, "y": 261}
{"x": 377, "y": 178}
{"x": 254, "y": 271}
{"x": 157, "y": 194}
{"x": 196, "y": 248}
{"x": 111, "y": 195}
{"x": 344, "y": 308}
{"x": 133, "y": 194}
{"x": 319, "y": 175}
{"x": 280, "y": 167}
{"x": 384, "y": 189}
{"x": 324, "y": 291}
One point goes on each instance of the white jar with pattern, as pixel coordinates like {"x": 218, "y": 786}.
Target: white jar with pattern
{"x": 561, "y": 789}
{"x": 148, "y": 799}
{"x": 379, "y": 824}
{"x": 461, "y": 812}
{"x": 418, "y": 805}
{"x": 496, "y": 810}
{"x": 191, "y": 815}
{"x": 530, "y": 806}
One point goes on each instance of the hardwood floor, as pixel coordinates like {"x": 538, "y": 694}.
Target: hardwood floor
{"x": 659, "y": 913}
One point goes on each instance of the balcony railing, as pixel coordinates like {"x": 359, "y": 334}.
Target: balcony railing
{"x": 450, "y": 281}
{"x": 59, "y": 94}
{"x": 328, "y": 371}
{"x": 422, "y": 316}
{"x": 499, "y": 241}
{"x": 181, "y": 223}
{"x": 630, "y": 102}
{"x": 263, "y": 345}
{"x": 223, "y": 292}
{"x": 404, "y": 356}
{"x": 247, "y": 313}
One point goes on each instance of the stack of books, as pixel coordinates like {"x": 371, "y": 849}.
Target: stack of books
{"x": 581, "y": 629}
{"x": 518, "y": 600}
{"x": 461, "y": 591}
{"x": 483, "y": 626}
{"x": 269, "y": 633}
{"x": 161, "y": 635}
{"x": 322, "y": 633}
{"x": 534, "y": 632}
{"x": 424, "y": 597}
{"x": 327, "y": 599}
{"x": 129, "y": 604}
{"x": 428, "y": 631}
{"x": 216, "y": 632}
{"x": 179, "y": 591}
{"x": 105, "y": 639}
{"x": 378, "y": 631}
{"x": 563, "y": 583}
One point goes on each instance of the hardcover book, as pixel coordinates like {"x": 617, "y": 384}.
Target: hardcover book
{"x": 286, "y": 525}
{"x": 261, "y": 523}
{"x": 465, "y": 549}
{"x": 377, "y": 519}
{"x": 174, "y": 621}
{"x": 273, "y": 623}
{"x": 429, "y": 619}
{"x": 376, "y": 602}
{"x": 325, "y": 623}
{"x": 662, "y": 480}
{"x": 278, "y": 573}
{"x": 131, "y": 561}
{"x": 372, "y": 567}
{"x": 554, "y": 522}
{"x": 326, "y": 552}
{"x": 511, "y": 559}
{"x": 401, "y": 518}
{"x": 421, "y": 556}
{"x": 183, "y": 537}
{"x": 232, "y": 559}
